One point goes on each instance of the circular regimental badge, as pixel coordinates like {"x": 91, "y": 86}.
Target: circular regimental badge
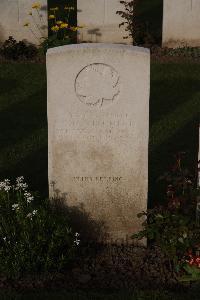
{"x": 97, "y": 85}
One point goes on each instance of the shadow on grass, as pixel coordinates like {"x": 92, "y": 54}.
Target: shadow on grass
{"x": 29, "y": 160}
{"x": 20, "y": 119}
{"x": 170, "y": 96}
{"x": 174, "y": 114}
{"x": 7, "y": 82}
{"x": 23, "y": 124}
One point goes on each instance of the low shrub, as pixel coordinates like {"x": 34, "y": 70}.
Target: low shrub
{"x": 35, "y": 236}
{"x": 11, "y": 49}
{"x": 174, "y": 227}
{"x": 129, "y": 19}
{"x": 136, "y": 30}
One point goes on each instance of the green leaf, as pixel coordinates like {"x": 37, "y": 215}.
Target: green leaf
{"x": 192, "y": 270}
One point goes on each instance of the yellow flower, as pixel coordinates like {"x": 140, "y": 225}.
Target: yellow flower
{"x": 59, "y": 22}
{"x": 36, "y": 5}
{"x": 26, "y": 24}
{"x": 64, "y": 25}
{"x": 55, "y": 28}
{"x": 51, "y": 17}
{"x": 54, "y": 8}
{"x": 73, "y": 28}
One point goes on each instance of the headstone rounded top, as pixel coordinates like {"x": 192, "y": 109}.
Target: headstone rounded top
{"x": 97, "y": 84}
{"x": 98, "y": 47}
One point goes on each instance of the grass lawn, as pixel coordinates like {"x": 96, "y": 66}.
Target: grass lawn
{"x": 174, "y": 108}
{"x": 23, "y": 123}
{"x": 174, "y": 116}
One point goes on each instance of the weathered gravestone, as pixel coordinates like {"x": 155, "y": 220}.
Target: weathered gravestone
{"x": 98, "y": 124}
{"x": 181, "y": 19}
{"x": 15, "y": 13}
{"x": 100, "y": 21}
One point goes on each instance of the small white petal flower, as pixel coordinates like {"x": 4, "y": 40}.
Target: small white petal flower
{"x": 20, "y": 184}
{"x": 7, "y": 188}
{"x": 5, "y": 185}
{"x": 34, "y": 212}
{"x": 2, "y": 184}
{"x": 29, "y": 216}
{"x": 7, "y": 181}
{"x": 77, "y": 242}
{"x": 20, "y": 179}
{"x": 23, "y": 186}
{"x": 26, "y": 194}
{"x": 4, "y": 238}
{"x": 29, "y": 199}
{"x": 15, "y": 206}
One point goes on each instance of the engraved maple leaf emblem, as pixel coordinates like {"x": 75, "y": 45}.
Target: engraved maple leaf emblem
{"x": 97, "y": 84}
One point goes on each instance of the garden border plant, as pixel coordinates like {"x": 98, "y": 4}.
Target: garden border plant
{"x": 137, "y": 30}
{"x": 22, "y": 50}
{"x": 35, "y": 236}
{"x": 61, "y": 30}
{"x": 173, "y": 227}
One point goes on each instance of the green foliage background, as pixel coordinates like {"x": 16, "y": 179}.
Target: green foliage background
{"x": 150, "y": 13}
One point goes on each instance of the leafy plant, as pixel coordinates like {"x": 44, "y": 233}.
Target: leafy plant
{"x": 129, "y": 15}
{"x": 11, "y": 49}
{"x": 35, "y": 236}
{"x": 61, "y": 29}
{"x": 173, "y": 227}
{"x": 138, "y": 30}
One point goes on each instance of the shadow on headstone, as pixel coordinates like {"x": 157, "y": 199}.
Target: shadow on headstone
{"x": 95, "y": 31}
{"x": 44, "y": 8}
{"x": 2, "y": 37}
{"x": 94, "y": 34}
{"x": 90, "y": 230}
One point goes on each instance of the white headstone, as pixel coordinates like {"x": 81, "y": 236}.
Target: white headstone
{"x": 100, "y": 21}
{"x": 15, "y": 13}
{"x": 98, "y": 125}
{"x": 181, "y": 19}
